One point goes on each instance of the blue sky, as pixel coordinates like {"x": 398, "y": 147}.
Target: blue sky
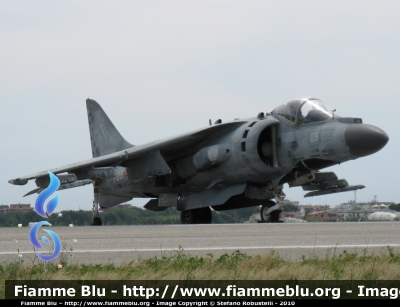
{"x": 160, "y": 68}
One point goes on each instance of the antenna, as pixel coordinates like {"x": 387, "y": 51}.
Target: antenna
{"x": 209, "y": 121}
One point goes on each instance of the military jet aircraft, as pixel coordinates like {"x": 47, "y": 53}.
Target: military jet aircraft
{"x": 226, "y": 165}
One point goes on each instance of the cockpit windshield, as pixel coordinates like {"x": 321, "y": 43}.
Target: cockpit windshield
{"x": 304, "y": 111}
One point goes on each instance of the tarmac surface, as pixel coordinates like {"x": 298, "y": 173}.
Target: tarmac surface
{"x": 124, "y": 244}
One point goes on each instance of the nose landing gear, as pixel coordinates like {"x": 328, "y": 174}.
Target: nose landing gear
{"x": 270, "y": 211}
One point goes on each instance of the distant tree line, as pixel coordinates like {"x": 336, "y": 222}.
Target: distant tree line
{"x": 121, "y": 216}
{"x": 290, "y": 208}
{"x": 395, "y": 207}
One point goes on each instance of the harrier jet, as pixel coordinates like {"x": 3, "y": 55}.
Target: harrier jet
{"x": 226, "y": 165}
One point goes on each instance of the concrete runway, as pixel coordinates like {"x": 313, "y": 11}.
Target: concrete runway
{"x": 123, "y": 244}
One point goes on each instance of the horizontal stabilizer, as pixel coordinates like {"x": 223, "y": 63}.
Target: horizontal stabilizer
{"x": 335, "y": 190}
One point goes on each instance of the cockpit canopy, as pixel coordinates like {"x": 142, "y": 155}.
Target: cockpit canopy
{"x": 304, "y": 111}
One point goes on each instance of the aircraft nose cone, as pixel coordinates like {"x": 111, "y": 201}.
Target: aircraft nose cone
{"x": 364, "y": 140}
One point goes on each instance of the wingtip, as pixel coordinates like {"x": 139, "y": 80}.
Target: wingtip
{"x": 18, "y": 181}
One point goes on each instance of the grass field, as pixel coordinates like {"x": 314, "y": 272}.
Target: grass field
{"x": 234, "y": 266}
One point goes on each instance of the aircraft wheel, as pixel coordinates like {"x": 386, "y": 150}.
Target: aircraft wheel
{"x": 188, "y": 217}
{"x": 272, "y": 217}
{"x": 204, "y": 215}
{"x": 196, "y": 216}
{"x": 96, "y": 221}
{"x": 264, "y": 217}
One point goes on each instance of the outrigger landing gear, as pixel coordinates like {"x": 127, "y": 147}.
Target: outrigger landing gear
{"x": 96, "y": 220}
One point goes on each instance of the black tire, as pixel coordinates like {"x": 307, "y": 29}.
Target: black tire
{"x": 275, "y": 216}
{"x": 196, "y": 216}
{"x": 96, "y": 221}
{"x": 204, "y": 215}
{"x": 188, "y": 217}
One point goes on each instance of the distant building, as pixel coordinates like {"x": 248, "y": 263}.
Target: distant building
{"x": 296, "y": 215}
{"x": 3, "y": 208}
{"x": 314, "y": 208}
{"x": 18, "y": 208}
{"x": 361, "y": 210}
{"x": 364, "y": 205}
{"x": 344, "y": 211}
{"x": 344, "y": 214}
{"x": 323, "y": 216}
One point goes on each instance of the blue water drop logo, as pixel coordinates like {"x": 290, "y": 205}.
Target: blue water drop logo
{"x": 39, "y": 208}
{"x": 45, "y": 194}
{"x": 35, "y": 241}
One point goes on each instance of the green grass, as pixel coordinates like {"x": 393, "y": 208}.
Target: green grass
{"x": 233, "y": 266}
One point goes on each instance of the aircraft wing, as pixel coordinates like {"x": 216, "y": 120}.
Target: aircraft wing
{"x": 170, "y": 147}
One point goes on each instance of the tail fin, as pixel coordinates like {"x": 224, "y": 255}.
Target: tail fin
{"x": 104, "y": 137}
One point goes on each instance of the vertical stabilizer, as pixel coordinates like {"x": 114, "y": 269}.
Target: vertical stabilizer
{"x": 104, "y": 137}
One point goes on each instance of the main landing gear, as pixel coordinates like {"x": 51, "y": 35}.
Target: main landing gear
{"x": 196, "y": 216}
